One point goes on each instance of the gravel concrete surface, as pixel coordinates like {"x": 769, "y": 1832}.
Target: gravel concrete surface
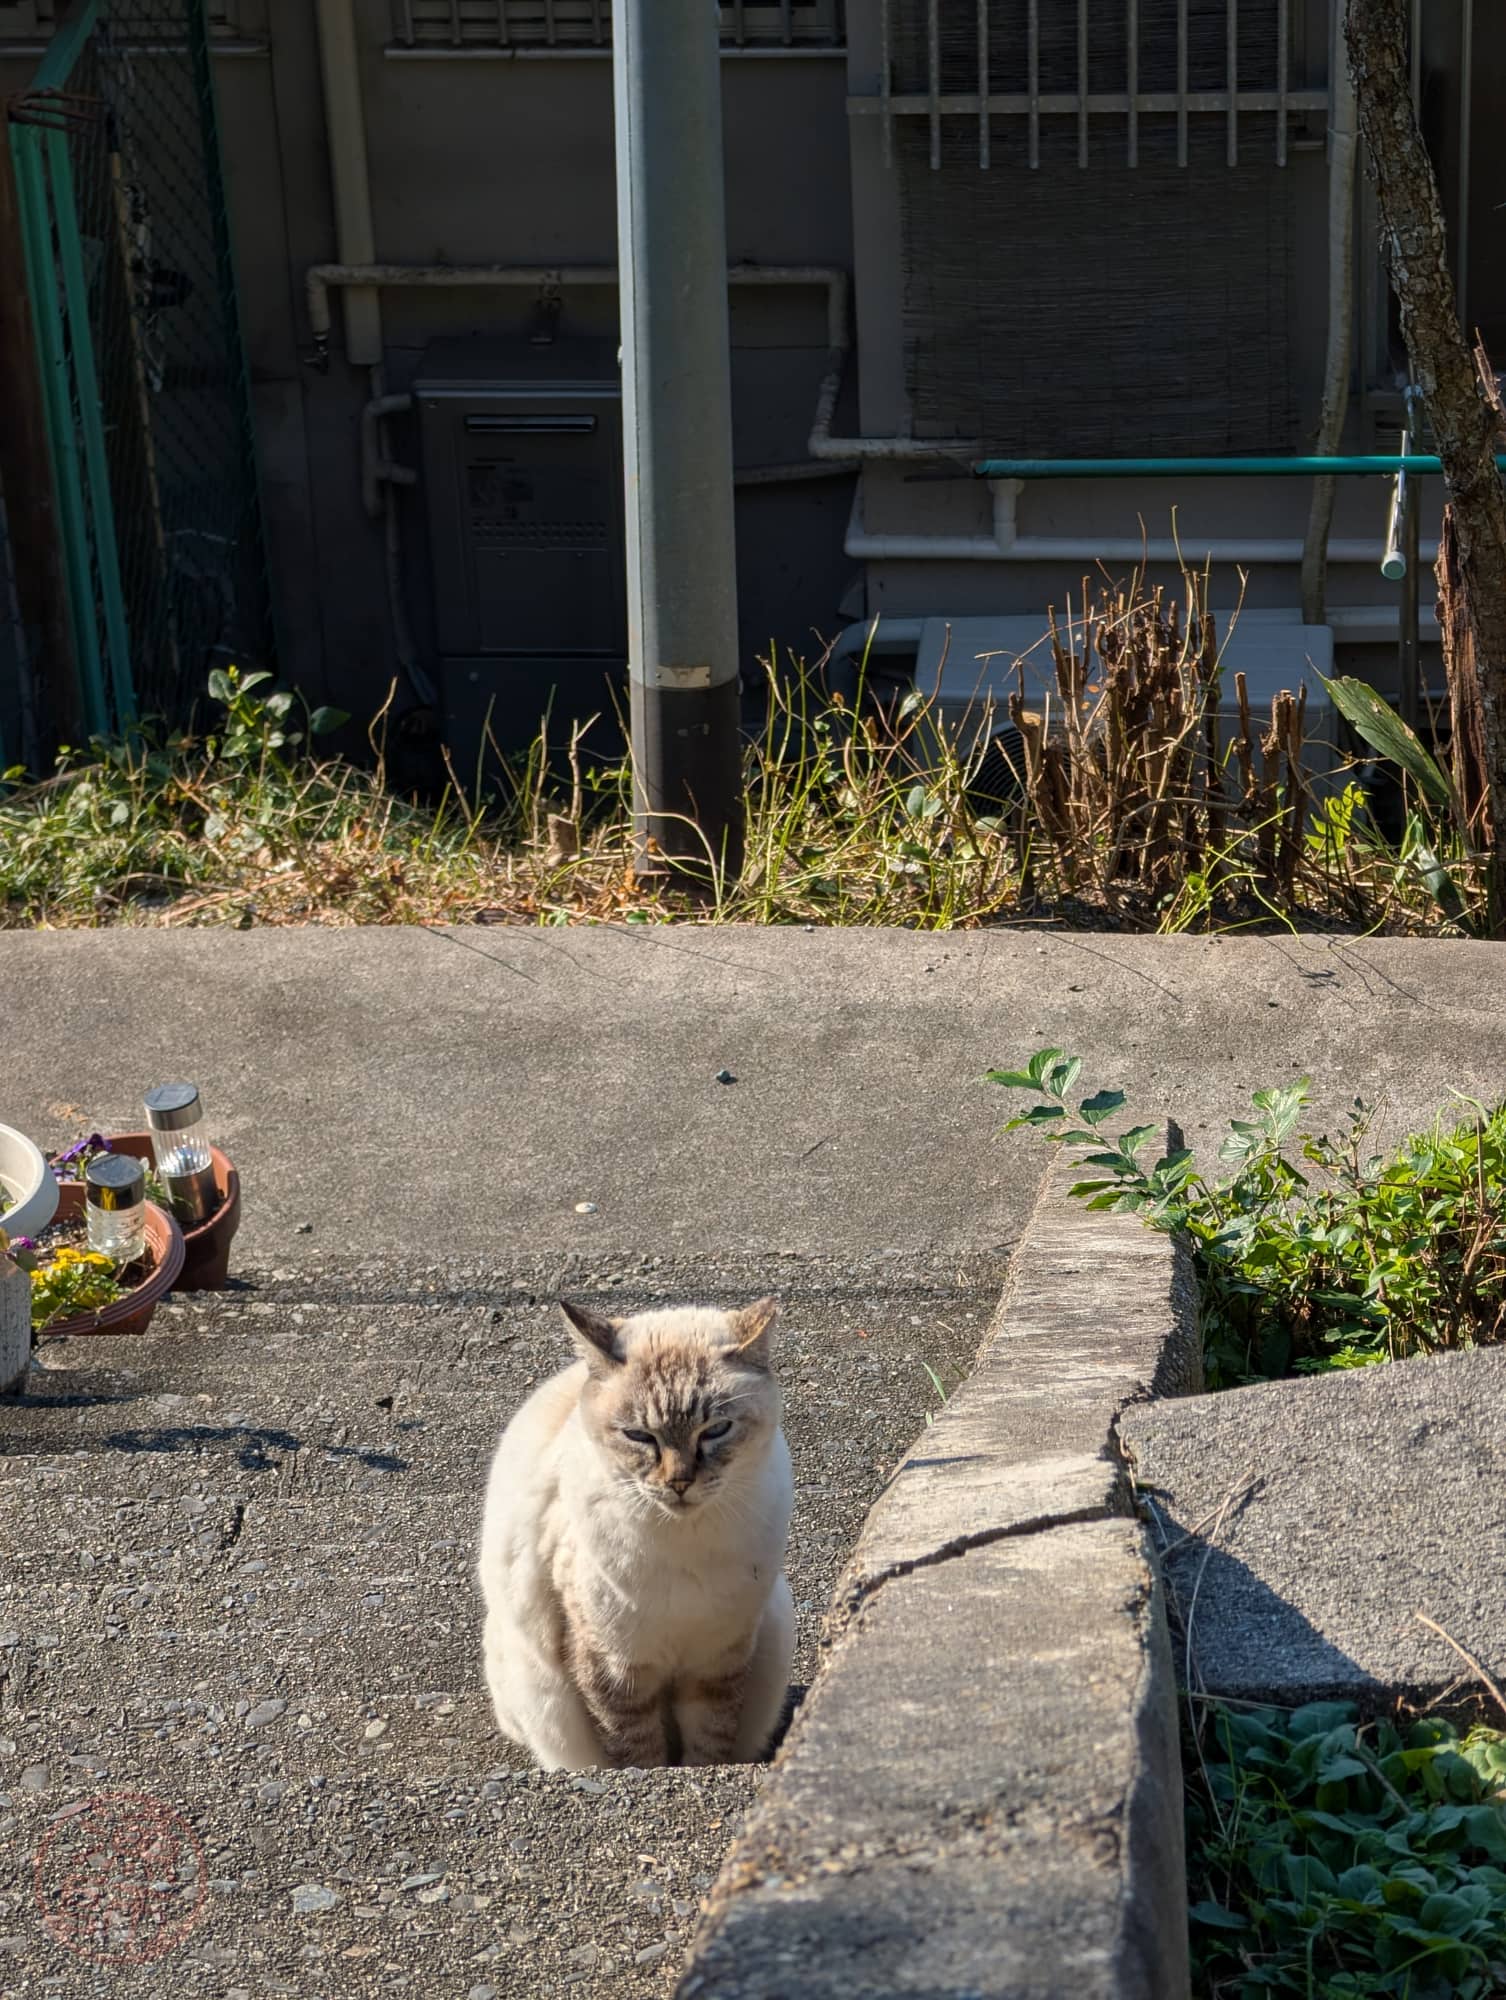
{"x": 238, "y": 1557}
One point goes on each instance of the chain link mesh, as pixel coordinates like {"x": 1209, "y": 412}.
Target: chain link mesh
{"x": 149, "y": 406}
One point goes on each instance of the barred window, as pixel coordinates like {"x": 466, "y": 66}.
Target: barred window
{"x": 472, "y": 24}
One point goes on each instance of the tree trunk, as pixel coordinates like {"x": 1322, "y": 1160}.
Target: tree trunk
{"x": 1463, "y": 420}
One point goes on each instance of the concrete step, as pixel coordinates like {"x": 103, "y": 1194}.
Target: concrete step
{"x": 370, "y": 1352}
{"x": 235, "y": 1545}
{"x": 328, "y": 1887}
{"x": 100, "y": 1538}
{"x": 314, "y": 1639}
{"x": 163, "y": 1741}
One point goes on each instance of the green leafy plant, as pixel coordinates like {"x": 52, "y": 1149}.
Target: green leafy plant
{"x": 69, "y": 1281}
{"x": 1340, "y": 1860}
{"x": 1372, "y": 1258}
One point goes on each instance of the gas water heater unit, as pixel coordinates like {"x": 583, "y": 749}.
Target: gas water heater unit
{"x": 522, "y": 478}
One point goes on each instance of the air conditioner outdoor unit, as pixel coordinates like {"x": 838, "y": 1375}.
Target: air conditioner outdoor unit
{"x": 969, "y": 667}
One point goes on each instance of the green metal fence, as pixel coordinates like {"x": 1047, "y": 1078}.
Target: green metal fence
{"x": 148, "y": 411}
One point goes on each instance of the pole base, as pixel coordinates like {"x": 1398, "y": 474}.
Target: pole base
{"x": 688, "y": 783}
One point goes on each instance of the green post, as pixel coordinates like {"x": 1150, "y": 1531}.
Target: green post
{"x": 36, "y": 223}
{"x": 91, "y": 424}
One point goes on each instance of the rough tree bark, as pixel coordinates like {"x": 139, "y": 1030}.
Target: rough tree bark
{"x": 1465, "y": 425}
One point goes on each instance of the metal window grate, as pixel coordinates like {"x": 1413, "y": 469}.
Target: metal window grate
{"x": 576, "y": 24}
{"x": 1100, "y": 64}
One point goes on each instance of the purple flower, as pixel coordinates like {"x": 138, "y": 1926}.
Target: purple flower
{"x": 22, "y": 1243}
{"x": 77, "y": 1155}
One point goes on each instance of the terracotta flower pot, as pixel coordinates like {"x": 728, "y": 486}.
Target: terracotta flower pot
{"x": 206, "y": 1249}
{"x": 133, "y": 1313}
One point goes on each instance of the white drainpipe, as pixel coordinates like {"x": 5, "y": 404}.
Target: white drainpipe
{"x": 345, "y": 129}
{"x": 1006, "y": 544}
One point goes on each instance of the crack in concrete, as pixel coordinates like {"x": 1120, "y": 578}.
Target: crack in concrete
{"x": 866, "y": 1588}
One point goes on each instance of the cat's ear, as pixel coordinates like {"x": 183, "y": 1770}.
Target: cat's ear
{"x": 595, "y": 1334}
{"x": 751, "y": 1329}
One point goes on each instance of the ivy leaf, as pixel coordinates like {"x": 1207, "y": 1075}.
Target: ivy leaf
{"x": 1103, "y": 1104}
{"x": 1063, "y": 1075}
{"x": 1217, "y": 1917}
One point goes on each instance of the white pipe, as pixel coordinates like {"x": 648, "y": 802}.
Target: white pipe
{"x": 374, "y": 421}
{"x": 345, "y": 129}
{"x": 376, "y": 464}
{"x": 1006, "y": 545}
{"x": 1342, "y": 155}
{"x": 322, "y": 278}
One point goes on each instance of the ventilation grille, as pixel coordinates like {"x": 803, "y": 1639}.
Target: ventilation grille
{"x": 473, "y": 24}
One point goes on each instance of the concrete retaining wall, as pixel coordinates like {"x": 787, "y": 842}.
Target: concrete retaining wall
{"x": 982, "y": 1796}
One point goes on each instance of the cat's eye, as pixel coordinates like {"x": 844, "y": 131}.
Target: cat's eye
{"x": 641, "y": 1437}
{"x": 716, "y": 1431}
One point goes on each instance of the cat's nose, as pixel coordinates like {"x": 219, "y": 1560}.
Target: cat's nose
{"x": 679, "y": 1486}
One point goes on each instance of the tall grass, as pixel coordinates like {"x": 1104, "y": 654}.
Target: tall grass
{"x": 1119, "y": 806}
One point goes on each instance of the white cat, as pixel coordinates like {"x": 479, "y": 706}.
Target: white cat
{"x": 632, "y": 1552}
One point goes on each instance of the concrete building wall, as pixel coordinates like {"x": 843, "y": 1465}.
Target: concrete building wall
{"x": 475, "y": 160}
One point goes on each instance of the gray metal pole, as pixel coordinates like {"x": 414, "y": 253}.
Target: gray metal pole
{"x": 677, "y": 432}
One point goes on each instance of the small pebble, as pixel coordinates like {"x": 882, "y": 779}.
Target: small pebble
{"x": 375, "y": 1729}
{"x": 725, "y": 1076}
{"x": 305, "y": 1229}
{"x": 34, "y": 1778}
{"x": 264, "y": 1712}
{"x": 650, "y": 1955}
{"x": 311, "y": 1897}
{"x": 585, "y": 1208}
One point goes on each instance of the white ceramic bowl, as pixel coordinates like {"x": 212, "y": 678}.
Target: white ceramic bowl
{"x": 28, "y": 1183}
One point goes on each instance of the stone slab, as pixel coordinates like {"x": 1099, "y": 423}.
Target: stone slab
{"x": 981, "y": 1799}
{"x": 1373, "y": 1496}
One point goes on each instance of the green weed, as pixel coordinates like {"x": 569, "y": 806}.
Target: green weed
{"x": 1374, "y": 1257}
{"x": 1338, "y": 1860}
